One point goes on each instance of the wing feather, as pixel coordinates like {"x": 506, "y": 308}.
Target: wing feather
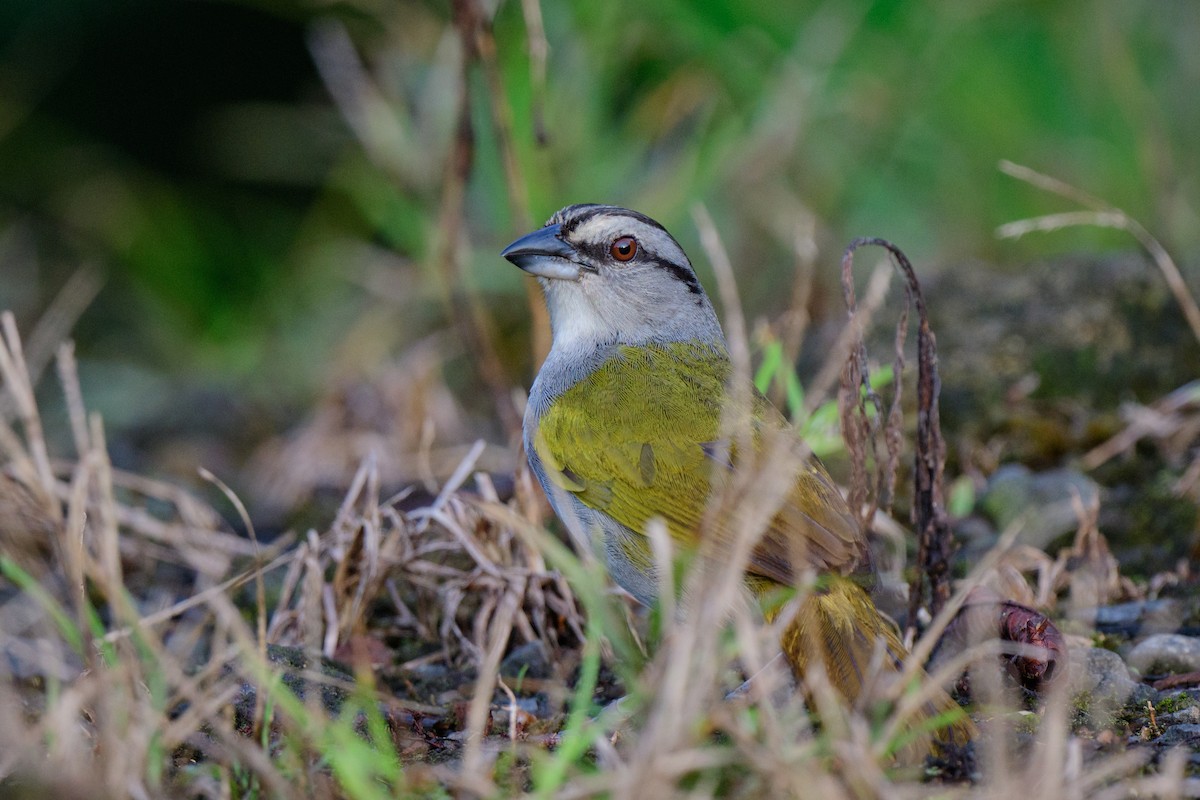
{"x": 627, "y": 448}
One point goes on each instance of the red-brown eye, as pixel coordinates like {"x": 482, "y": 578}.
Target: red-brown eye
{"x": 624, "y": 248}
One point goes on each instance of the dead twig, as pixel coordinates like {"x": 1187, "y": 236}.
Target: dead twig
{"x": 934, "y": 539}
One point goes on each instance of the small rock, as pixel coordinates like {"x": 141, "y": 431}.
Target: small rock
{"x": 1101, "y": 673}
{"x": 1180, "y": 734}
{"x": 976, "y": 536}
{"x": 1043, "y": 501}
{"x": 1139, "y": 617}
{"x": 1166, "y": 653}
{"x": 1185, "y": 716}
{"x": 528, "y": 660}
{"x": 1101, "y": 684}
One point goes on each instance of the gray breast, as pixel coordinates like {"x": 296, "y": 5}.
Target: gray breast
{"x": 590, "y": 528}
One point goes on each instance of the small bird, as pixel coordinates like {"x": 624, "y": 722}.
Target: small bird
{"x": 624, "y": 426}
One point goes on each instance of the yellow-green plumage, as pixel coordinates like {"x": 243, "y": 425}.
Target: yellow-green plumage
{"x": 635, "y": 440}
{"x": 624, "y": 446}
{"x": 840, "y": 628}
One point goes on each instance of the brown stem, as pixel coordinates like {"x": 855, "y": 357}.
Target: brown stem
{"x": 934, "y": 540}
{"x": 466, "y": 308}
{"x": 518, "y": 200}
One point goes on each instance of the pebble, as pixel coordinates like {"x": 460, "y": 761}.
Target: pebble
{"x": 1188, "y": 734}
{"x": 1166, "y": 653}
{"x": 1103, "y": 676}
{"x": 1138, "y": 617}
{"x": 1043, "y": 501}
{"x": 528, "y": 660}
{"x": 1185, "y": 716}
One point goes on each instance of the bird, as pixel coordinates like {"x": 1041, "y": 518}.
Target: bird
{"x": 623, "y": 426}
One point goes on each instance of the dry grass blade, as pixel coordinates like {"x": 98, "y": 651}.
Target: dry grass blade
{"x": 1101, "y": 215}
{"x": 18, "y": 385}
{"x": 61, "y": 315}
{"x": 478, "y": 713}
{"x": 68, "y": 376}
{"x": 795, "y": 319}
{"x": 735, "y": 320}
{"x": 199, "y": 599}
{"x": 374, "y": 120}
{"x": 1170, "y": 417}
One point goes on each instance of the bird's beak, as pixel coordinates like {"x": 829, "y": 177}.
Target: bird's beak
{"x": 544, "y": 254}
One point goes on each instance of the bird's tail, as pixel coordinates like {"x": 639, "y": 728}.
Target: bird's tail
{"x": 839, "y": 627}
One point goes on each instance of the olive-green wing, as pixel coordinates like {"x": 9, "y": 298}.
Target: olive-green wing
{"x": 629, "y": 440}
{"x": 813, "y": 526}
{"x": 635, "y": 440}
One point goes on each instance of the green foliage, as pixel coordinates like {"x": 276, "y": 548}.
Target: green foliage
{"x": 576, "y": 736}
{"x": 365, "y": 766}
{"x": 821, "y": 429}
{"x": 231, "y": 202}
{"x": 1174, "y": 702}
{"x": 961, "y": 499}
{"x": 67, "y": 628}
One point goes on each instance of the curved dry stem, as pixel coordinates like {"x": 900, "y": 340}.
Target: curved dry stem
{"x": 1100, "y": 215}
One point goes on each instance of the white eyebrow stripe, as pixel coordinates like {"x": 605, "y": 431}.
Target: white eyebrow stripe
{"x": 603, "y": 228}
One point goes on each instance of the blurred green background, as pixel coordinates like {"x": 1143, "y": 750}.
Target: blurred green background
{"x": 261, "y": 189}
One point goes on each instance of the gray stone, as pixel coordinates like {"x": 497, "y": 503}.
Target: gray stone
{"x": 1100, "y": 673}
{"x": 1042, "y": 501}
{"x": 1083, "y": 327}
{"x": 1101, "y": 686}
{"x": 1180, "y": 734}
{"x": 1137, "y": 617}
{"x": 527, "y": 660}
{"x": 1166, "y": 653}
{"x": 1185, "y": 716}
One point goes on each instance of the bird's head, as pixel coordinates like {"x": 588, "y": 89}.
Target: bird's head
{"x": 612, "y": 275}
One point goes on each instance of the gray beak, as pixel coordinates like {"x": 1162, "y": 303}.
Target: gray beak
{"x": 544, "y": 254}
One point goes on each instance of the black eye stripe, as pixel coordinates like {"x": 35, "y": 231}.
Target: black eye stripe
{"x": 680, "y": 273}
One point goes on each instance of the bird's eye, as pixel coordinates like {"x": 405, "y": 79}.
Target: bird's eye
{"x": 624, "y": 249}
